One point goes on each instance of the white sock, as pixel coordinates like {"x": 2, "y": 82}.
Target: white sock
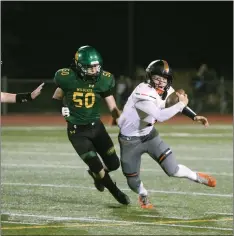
{"x": 142, "y": 190}
{"x": 185, "y": 172}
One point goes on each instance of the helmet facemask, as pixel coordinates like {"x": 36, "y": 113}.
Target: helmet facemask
{"x": 89, "y": 72}
{"x": 159, "y": 76}
{"x": 160, "y": 83}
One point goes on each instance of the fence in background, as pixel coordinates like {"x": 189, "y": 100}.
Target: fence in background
{"x": 218, "y": 100}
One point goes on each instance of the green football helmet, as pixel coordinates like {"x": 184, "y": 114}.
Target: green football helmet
{"x": 88, "y": 62}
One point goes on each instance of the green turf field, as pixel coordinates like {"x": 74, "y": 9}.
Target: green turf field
{"x": 46, "y": 189}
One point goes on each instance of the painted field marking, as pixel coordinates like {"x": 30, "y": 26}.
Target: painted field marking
{"x": 219, "y": 213}
{"x": 92, "y": 188}
{"x": 47, "y": 153}
{"x": 113, "y": 222}
{"x": 113, "y": 128}
{"x": 38, "y": 166}
{"x": 165, "y": 217}
{"x": 20, "y": 223}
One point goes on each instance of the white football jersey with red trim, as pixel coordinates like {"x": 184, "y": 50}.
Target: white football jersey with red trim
{"x": 134, "y": 122}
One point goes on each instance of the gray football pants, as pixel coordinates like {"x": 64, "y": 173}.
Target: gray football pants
{"x": 131, "y": 150}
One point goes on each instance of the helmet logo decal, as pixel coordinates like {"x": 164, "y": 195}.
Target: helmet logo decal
{"x": 76, "y": 56}
{"x": 147, "y": 69}
{"x": 166, "y": 66}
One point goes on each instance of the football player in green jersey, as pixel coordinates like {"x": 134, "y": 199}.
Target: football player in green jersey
{"x": 83, "y": 86}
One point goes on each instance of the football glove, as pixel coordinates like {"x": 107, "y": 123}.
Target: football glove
{"x": 65, "y": 111}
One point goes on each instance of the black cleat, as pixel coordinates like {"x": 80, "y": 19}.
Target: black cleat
{"x": 98, "y": 184}
{"x": 120, "y": 196}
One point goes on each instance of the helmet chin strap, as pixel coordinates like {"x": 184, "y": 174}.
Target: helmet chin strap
{"x": 159, "y": 91}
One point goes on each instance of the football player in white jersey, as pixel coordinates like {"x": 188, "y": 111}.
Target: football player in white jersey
{"x": 145, "y": 106}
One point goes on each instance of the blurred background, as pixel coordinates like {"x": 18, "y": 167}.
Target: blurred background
{"x": 196, "y": 38}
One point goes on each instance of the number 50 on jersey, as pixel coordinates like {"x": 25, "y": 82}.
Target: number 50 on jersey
{"x": 83, "y": 99}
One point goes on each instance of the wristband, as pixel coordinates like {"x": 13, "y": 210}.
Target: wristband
{"x": 23, "y": 97}
{"x": 189, "y": 112}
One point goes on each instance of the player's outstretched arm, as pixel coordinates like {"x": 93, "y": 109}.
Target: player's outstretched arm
{"x": 191, "y": 114}
{"x": 37, "y": 91}
{"x": 21, "y": 97}
{"x": 8, "y": 97}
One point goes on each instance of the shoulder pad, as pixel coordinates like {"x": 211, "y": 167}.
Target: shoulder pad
{"x": 145, "y": 92}
{"x": 106, "y": 74}
{"x": 107, "y": 80}
{"x": 169, "y": 92}
{"x": 63, "y": 72}
{"x": 62, "y": 75}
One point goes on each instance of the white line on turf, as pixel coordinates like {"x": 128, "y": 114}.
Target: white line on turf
{"x": 20, "y": 223}
{"x": 35, "y": 152}
{"x": 38, "y": 166}
{"x": 197, "y": 227}
{"x": 166, "y": 217}
{"x": 84, "y": 219}
{"x": 92, "y": 188}
{"x": 219, "y": 213}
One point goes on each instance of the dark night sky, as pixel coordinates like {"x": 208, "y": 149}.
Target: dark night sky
{"x": 40, "y": 37}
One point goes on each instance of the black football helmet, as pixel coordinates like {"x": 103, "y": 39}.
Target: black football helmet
{"x": 160, "y": 68}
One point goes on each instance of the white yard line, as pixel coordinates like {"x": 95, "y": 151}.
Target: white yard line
{"x": 166, "y": 217}
{"x": 43, "y": 166}
{"x": 197, "y": 227}
{"x": 219, "y": 213}
{"x": 20, "y": 223}
{"x": 46, "y": 153}
{"x": 92, "y": 188}
{"x": 67, "y": 146}
{"x": 84, "y": 219}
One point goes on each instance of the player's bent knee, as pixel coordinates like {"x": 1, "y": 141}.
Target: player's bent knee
{"x": 172, "y": 172}
{"x": 92, "y": 160}
{"x": 112, "y": 162}
{"x": 133, "y": 181}
{"x": 169, "y": 165}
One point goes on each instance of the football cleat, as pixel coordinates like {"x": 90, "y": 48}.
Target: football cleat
{"x": 120, "y": 196}
{"x": 144, "y": 202}
{"x": 205, "y": 179}
{"x": 98, "y": 184}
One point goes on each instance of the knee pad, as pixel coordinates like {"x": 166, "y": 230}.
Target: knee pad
{"x": 93, "y": 161}
{"x": 112, "y": 162}
{"x": 133, "y": 181}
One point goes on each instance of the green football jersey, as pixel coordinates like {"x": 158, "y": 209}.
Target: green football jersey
{"x": 83, "y": 98}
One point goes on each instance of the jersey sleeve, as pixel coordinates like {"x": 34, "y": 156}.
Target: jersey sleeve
{"x": 169, "y": 92}
{"x": 57, "y": 78}
{"x": 110, "y": 85}
{"x": 158, "y": 114}
{"x": 60, "y": 77}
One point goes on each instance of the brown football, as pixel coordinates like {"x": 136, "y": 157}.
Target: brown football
{"x": 172, "y": 99}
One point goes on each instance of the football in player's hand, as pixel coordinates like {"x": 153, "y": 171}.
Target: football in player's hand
{"x": 172, "y": 99}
